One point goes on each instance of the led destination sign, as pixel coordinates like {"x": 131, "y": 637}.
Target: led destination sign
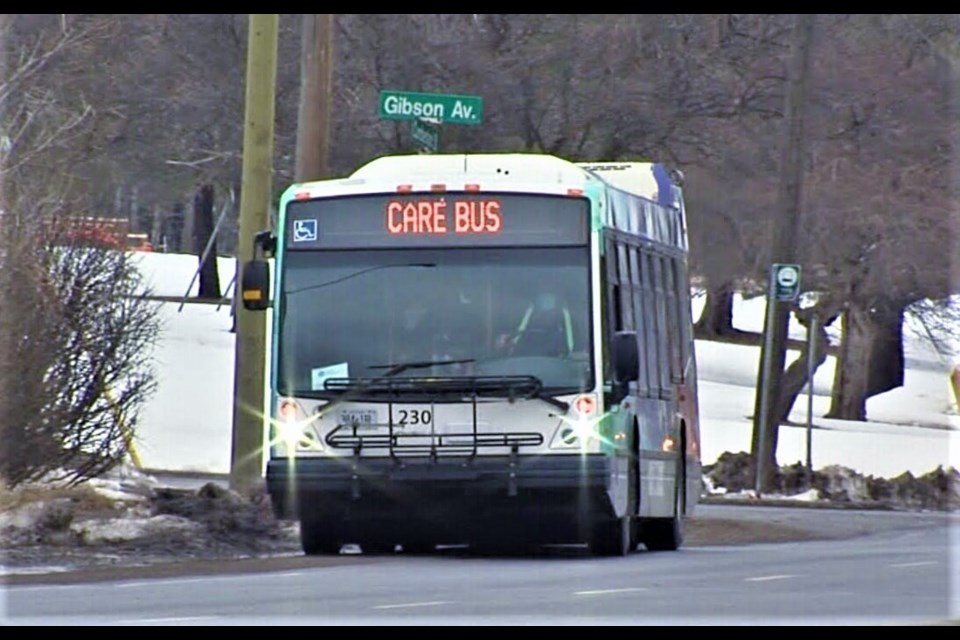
{"x": 436, "y": 220}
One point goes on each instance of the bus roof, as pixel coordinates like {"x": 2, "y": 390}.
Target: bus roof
{"x": 650, "y": 180}
{"x": 525, "y": 172}
{"x": 501, "y": 167}
{"x": 531, "y": 172}
{"x": 505, "y": 170}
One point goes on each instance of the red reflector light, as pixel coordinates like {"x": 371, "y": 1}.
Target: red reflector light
{"x": 438, "y": 188}
{"x": 288, "y": 410}
{"x": 303, "y": 195}
{"x": 575, "y": 193}
{"x": 471, "y": 188}
{"x": 404, "y": 188}
{"x": 585, "y": 405}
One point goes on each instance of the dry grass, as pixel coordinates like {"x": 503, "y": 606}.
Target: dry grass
{"x": 84, "y": 499}
{"x": 712, "y": 531}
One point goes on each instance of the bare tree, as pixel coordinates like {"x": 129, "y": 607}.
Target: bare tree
{"x": 884, "y": 200}
{"x": 75, "y": 332}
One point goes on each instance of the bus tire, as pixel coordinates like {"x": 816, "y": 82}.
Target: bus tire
{"x": 316, "y": 538}
{"x": 378, "y": 548}
{"x": 418, "y": 547}
{"x": 612, "y": 537}
{"x": 666, "y": 534}
{"x": 619, "y": 536}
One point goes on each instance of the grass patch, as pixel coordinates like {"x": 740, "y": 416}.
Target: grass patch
{"x": 83, "y": 499}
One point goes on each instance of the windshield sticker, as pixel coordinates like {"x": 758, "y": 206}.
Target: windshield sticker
{"x": 320, "y": 375}
{"x": 304, "y": 230}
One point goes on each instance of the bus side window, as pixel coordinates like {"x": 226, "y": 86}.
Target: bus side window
{"x": 640, "y": 321}
{"x": 664, "y": 331}
{"x": 651, "y": 323}
{"x": 674, "y": 318}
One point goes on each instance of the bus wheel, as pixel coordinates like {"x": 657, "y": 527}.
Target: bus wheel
{"x": 633, "y": 506}
{"x": 378, "y": 548}
{"x": 418, "y": 547}
{"x": 318, "y": 539}
{"x": 666, "y": 534}
{"x": 612, "y": 537}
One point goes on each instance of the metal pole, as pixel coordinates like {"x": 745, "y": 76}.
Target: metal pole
{"x": 226, "y": 292}
{"x": 203, "y": 257}
{"x": 766, "y": 373}
{"x": 811, "y": 370}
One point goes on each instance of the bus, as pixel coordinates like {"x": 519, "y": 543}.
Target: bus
{"x": 485, "y": 349}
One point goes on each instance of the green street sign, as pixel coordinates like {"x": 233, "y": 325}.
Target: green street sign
{"x": 785, "y": 282}
{"x": 426, "y": 134}
{"x": 405, "y": 105}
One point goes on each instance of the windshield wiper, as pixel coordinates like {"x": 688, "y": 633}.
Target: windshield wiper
{"x": 550, "y": 399}
{"x": 394, "y": 369}
{"x": 349, "y": 393}
{"x": 400, "y": 367}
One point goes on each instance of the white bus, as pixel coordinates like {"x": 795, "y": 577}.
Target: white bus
{"x": 487, "y": 349}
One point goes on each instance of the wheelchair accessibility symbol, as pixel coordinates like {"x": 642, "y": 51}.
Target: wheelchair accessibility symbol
{"x": 304, "y": 230}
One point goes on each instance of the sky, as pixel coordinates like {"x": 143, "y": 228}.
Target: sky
{"x": 186, "y": 425}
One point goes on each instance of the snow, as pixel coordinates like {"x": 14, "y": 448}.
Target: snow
{"x": 187, "y": 424}
{"x": 810, "y": 495}
{"x": 132, "y": 527}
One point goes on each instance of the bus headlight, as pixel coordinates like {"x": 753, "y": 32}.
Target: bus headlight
{"x": 580, "y": 427}
{"x": 293, "y": 430}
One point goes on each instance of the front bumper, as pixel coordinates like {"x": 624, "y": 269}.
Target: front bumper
{"x": 356, "y": 478}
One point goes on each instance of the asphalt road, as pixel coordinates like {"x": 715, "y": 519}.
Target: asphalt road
{"x": 902, "y": 575}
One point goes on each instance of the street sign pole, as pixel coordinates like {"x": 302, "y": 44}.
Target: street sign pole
{"x": 784, "y": 286}
{"x": 765, "y": 378}
{"x": 426, "y": 134}
{"x": 811, "y": 369}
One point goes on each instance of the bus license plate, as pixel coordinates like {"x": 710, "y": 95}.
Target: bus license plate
{"x": 357, "y": 417}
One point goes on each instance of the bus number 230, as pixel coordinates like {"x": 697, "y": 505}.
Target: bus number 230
{"x": 412, "y": 417}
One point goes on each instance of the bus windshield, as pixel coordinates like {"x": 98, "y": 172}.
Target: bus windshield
{"x": 499, "y": 311}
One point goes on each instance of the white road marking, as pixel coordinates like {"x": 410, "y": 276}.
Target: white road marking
{"x": 133, "y": 585}
{"x": 769, "y": 578}
{"x": 601, "y": 592}
{"x": 162, "y": 620}
{"x": 901, "y": 565}
{"x": 158, "y": 583}
{"x": 169, "y": 581}
{"x": 411, "y": 604}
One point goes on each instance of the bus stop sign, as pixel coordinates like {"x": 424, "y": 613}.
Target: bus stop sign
{"x": 785, "y": 282}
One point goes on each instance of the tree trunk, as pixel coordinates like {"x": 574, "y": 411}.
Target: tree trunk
{"x": 871, "y": 359}
{"x": 173, "y": 229}
{"x": 886, "y": 351}
{"x": 202, "y": 234}
{"x": 716, "y": 319}
{"x": 156, "y": 228}
{"x": 849, "y": 396}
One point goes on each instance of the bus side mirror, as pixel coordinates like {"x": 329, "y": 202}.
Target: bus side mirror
{"x": 266, "y": 243}
{"x": 255, "y": 285}
{"x": 626, "y": 357}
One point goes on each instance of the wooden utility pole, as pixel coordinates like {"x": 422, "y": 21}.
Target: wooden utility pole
{"x": 316, "y": 97}
{"x": 5, "y": 142}
{"x": 785, "y": 226}
{"x": 246, "y": 459}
